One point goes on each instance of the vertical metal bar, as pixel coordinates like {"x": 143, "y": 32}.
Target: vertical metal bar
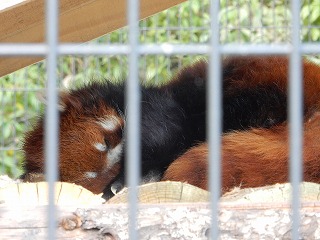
{"x": 133, "y": 120}
{"x": 214, "y": 117}
{"x": 295, "y": 116}
{"x": 51, "y": 121}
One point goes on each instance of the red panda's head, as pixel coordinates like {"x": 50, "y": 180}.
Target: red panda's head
{"x": 90, "y": 141}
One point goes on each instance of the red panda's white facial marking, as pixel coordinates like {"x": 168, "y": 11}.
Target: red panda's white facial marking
{"x": 100, "y": 147}
{"x": 114, "y": 155}
{"x": 113, "y": 145}
{"x": 90, "y": 175}
{"x": 110, "y": 123}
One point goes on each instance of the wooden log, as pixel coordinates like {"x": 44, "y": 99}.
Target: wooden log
{"x": 80, "y": 21}
{"x": 242, "y": 215}
{"x": 34, "y": 194}
{"x": 278, "y": 193}
{"x": 162, "y": 221}
{"x": 164, "y": 192}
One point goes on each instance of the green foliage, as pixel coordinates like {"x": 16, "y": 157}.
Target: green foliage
{"x": 18, "y": 104}
{"x": 310, "y": 15}
{"x": 266, "y": 21}
{"x": 242, "y": 21}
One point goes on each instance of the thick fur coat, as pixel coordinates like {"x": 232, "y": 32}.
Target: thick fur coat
{"x": 173, "y": 124}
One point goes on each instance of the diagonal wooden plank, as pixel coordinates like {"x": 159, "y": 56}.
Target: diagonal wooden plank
{"x": 80, "y": 21}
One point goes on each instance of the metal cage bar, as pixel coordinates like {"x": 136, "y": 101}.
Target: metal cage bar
{"x": 133, "y": 118}
{"x": 167, "y": 49}
{"x": 295, "y": 116}
{"x": 51, "y": 119}
{"x": 214, "y": 129}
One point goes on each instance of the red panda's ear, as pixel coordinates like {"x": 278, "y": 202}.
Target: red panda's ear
{"x": 63, "y": 96}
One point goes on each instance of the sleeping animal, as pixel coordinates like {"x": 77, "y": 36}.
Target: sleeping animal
{"x": 92, "y": 126}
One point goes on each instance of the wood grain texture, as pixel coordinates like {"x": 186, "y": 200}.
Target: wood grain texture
{"x": 162, "y": 221}
{"x": 242, "y": 215}
{"x": 278, "y": 193}
{"x": 164, "y": 192}
{"x": 80, "y": 21}
{"x": 35, "y": 194}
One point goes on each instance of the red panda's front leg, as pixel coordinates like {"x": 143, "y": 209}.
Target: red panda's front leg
{"x": 252, "y": 158}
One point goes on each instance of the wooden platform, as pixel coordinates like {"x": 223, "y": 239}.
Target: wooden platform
{"x": 261, "y": 213}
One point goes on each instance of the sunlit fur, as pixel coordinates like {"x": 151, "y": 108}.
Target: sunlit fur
{"x": 259, "y": 155}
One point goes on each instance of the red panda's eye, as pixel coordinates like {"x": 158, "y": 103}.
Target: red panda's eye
{"x": 108, "y": 144}
{"x": 120, "y": 132}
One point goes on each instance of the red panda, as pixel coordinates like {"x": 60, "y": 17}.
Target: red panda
{"x": 259, "y": 155}
{"x": 92, "y": 124}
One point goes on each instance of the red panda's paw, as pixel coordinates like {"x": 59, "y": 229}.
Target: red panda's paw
{"x": 191, "y": 167}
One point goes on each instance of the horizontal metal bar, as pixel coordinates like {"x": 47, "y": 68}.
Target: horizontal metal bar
{"x": 165, "y": 48}
{"x": 20, "y": 89}
{"x": 23, "y": 49}
{"x": 258, "y": 49}
{"x": 98, "y": 49}
{"x": 9, "y": 148}
{"x": 170, "y": 49}
{"x": 310, "y": 48}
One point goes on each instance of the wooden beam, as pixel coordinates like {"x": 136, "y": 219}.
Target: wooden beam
{"x": 161, "y": 221}
{"x": 253, "y": 213}
{"x": 80, "y": 21}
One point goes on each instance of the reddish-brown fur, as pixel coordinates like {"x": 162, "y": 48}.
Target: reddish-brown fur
{"x": 253, "y": 71}
{"x": 253, "y": 158}
{"x": 174, "y": 121}
{"x": 258, "y": 156}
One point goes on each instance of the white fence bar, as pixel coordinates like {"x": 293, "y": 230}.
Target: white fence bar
{"x": 167, "y": 49}
{"x": 51, "y": 120}
{"x": 133, "y": 151}
{"x": 23, "y": 49}
{"x": 214, "y": 129}
{"x": 295, "y": 116}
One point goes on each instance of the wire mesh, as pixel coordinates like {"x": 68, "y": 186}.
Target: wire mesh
{"x": 167, "y": 41}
